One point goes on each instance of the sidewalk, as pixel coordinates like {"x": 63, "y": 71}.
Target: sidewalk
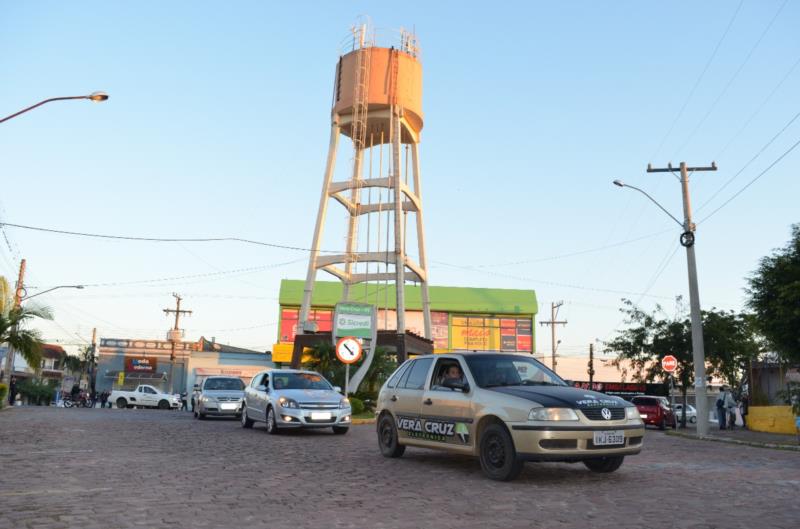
{"x": 743, "y": 437}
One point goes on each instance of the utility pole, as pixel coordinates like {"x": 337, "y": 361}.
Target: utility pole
{"x": 18, "y": 292}
{"x": 93, "y": 360}
{"x": 687, "y": 241}
{"x": 591, "y": 366}
{"x": 174, "y": 336}
{"x": 552, "y": 323}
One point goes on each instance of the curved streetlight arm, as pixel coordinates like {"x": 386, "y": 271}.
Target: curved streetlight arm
{"x": 96, "y": 96}
{"x": 620, "y": 184}
{"x": 50, "y": 290}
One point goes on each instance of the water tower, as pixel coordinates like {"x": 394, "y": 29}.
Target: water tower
{"x": 377, "y": 107}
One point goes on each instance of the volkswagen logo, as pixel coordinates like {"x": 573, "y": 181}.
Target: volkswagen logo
{"x": 606, "y": 413}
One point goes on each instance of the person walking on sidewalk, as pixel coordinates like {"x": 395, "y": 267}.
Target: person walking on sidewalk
{"x": 721, "y": 412}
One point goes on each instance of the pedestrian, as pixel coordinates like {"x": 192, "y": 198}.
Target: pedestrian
{"x": 743, "y": 408}
{"x": 183, "y": 401}
{"x": 730, "y": 408}
{"x": 12, "y": 390}
{"x": 721, "y": 413}
{"x": 103, "y": 399}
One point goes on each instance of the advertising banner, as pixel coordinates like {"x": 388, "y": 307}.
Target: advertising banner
{"x": 354, "y": 319}
{"x": 143, "y": 364}
{"x": 289, "y": 318}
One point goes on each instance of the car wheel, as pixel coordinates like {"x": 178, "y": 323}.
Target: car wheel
{"x": 340, "y": 430}
{"x": 246, "y": 422}
{"x": 604, "y": 464}
{"x": 272, "y": 424}
{"x": 122, "y": 403}
{"x": 163, "y": 405}
{"x": 201, "y": 416}
{"x": 195, "y": 414}
{"x": 663, "y": 424}
{"x": 387, "y": 437}
{"x": 497, "y": 454}
{"x": 693, "y": 420}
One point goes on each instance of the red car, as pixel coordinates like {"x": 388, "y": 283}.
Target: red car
{"x": 655, "y": 411}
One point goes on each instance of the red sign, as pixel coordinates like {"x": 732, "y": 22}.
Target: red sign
{"x": 669, "y": 364}
{"x": 144, "y": 364}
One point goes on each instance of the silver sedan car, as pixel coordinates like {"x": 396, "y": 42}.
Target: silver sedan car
{"x": 291, "y": 398}
{"x": 219, "y": 396}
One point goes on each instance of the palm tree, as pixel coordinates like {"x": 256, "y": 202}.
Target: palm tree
{"x": 26, "y": 342}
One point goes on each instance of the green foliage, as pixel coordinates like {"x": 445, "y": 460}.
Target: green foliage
{"x": 357, "y": 405}
{"x": 26, "y": 342}
{"x": 3, "y": 394}
{"x": 37, "y": 391}
{"x": 791, "y": 395}
{"x": 774, "y": 296}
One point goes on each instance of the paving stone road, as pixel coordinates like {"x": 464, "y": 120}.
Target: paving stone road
{"x": 77, "y": 468}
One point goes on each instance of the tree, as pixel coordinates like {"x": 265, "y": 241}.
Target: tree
{"x": 774, "y": 297}
{"x": 729, "y": 339}
{"x": 25, "y": 342}
{"x": 323, "y": 360}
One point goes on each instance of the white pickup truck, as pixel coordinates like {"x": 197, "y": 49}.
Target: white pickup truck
{"x": 145, "y": 396}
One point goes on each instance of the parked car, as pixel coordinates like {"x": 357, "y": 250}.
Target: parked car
{"x": 504, "y": 409}
{"x": 220, "y": 396}
{"x": 691, "y": 413}
{"x": 291, "y": 398}
{"x": 145, "y": 396}
{"x": 655, "y": 411}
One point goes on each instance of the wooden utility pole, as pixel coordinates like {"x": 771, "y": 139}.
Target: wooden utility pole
{"x": 174, "y": 336}
{"x": 552, "y": 323}
{"x": 591, "y": 366}
{"x": 18, "y": 294}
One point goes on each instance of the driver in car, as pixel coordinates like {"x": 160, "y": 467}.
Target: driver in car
{"x": 451, "y": 372}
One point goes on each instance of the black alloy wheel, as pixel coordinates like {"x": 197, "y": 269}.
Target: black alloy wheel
{"x": 498, "y": 457}
{"x": 387, "y": 437}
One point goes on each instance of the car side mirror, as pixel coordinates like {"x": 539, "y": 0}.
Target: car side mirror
{"x": 337, "y": 389}
{"x": 262, "y": 387}
{"x": 454, "y": 383}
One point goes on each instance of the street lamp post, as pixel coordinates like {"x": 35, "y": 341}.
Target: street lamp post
{"x": 97, "y": 97}
{"x": 687, "y": 241}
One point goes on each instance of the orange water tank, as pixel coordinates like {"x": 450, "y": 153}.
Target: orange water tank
{"x": 395, "y": 78}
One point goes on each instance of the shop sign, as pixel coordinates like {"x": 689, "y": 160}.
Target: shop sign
{"x": 142, "y": 364}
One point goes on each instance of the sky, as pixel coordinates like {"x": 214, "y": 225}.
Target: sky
{"x": 218, "y": 121}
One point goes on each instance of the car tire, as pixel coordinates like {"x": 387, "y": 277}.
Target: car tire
{"x": 387, "y": 437}
{"x": 604, "y": 465}
{"x": 271, "y": 424}
{"x": 340, "y": 430}
{"x": 195, "y": 414}
{"x": 246, "y": 421}
{"x": 498, "y": 456}
{"x": 201, "y": 416}
{"x": 663, "y": 424}
{"x": 693, "y": 420}
{"x": 122, "y": 403}
{"x": 163, "y": 404}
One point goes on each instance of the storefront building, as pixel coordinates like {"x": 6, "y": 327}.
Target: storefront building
{"x": 473, "y": 319}
{"x": 126, "y": 363}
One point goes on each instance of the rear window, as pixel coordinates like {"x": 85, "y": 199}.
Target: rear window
{"x": 397, "y": 374}
{"x": 418, "y": 373}
{"x": 645, "y": 401}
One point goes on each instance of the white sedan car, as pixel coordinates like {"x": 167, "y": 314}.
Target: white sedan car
{"x": 691, "y": 413}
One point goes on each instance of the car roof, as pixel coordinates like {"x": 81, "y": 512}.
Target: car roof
{"x": 279, "y": 371}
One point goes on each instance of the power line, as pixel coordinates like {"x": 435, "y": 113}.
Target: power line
{"x": 733, "y": 78}
{"x": 751, "y": 182}
{"x": 697, "y": 82}
{"x": 160, "y": 239}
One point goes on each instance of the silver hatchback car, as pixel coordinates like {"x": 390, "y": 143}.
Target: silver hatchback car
{"x": 219, "y": 396}
{"x": 291, "y": 398}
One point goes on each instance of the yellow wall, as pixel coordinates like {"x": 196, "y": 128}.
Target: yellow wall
{"x": 773, "y": 419}
{"x": 282, "y": 353}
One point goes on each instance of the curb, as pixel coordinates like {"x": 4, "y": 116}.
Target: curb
{"x": 362, "y": 421}
{"x": 774, "y": 446}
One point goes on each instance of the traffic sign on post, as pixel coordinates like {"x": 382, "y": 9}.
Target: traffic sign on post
{"x": 348, "y": 350}
{"x": 669, "y": 364}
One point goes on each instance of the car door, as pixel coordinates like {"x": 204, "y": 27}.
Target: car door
{"x": 253, "y": 398}
{"x": 447, "y": 413}
{"x": 406, "y": 399}
{"x": 149, "y": 396}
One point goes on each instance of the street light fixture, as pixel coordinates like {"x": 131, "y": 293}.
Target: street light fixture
{"x": 25, "y": 298}
{"x": 97, "y": 97}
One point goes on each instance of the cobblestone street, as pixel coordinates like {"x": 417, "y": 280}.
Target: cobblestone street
{"x": 134, "y": 468}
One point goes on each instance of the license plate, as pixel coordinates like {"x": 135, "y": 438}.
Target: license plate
{"x": 320, "y": 416}
{"x": 228, "y": 406}
{"x": 609, "y": 437}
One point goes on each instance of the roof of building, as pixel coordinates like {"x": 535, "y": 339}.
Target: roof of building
{"x": 50, "y": 350}
{"x": 447, "y": 299}
{"x": 213, "y": 346}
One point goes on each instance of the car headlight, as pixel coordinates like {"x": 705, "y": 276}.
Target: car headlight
{"x": 287, "y": 403}
{"x": 344, "y": 403}
{"x": 632, "y": 412}
{"x": 552, "y": 414}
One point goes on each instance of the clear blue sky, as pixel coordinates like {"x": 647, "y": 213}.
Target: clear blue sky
{"x": 218, "y": 126}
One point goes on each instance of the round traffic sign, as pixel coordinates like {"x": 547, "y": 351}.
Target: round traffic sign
{"x": 348, "y": 350}
{"x": 669, "y": 364}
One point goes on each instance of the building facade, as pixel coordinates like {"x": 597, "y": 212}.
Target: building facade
{"x": 480, "y": 319}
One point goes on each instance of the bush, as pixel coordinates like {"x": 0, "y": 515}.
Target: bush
{"x": 3, "y": 394}
{"x": 357, "y": 405}
{"x": 36, "y": 391}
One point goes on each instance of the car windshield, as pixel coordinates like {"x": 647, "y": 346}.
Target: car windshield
{"x": 224, "y": 384}
{"x": 299, "y": 381}
{"x": 495, "y": 370}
